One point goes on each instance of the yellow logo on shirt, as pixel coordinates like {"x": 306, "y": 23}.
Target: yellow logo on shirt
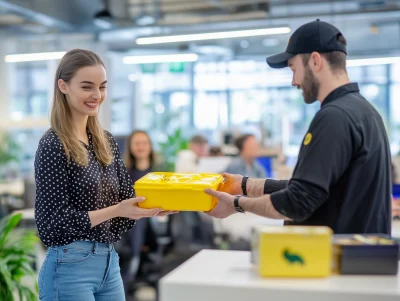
{"x": 307, "y": 139}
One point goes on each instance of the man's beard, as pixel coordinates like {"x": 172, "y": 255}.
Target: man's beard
{"x": 310, "y": 86}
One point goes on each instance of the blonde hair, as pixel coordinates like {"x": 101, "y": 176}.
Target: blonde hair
{"x": 61, "y": 118}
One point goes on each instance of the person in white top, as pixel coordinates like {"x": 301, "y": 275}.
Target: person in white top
{"x": 187, "y": 160}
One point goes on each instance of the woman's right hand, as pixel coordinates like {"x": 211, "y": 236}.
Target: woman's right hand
{"x": 129, "y": 208}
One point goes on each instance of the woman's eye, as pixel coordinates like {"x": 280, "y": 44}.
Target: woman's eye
{"x": 86, "y": 88}
{"x": 103, "y": 88}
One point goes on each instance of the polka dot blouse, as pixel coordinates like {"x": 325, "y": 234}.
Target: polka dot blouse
{"x": 66, "y": 192}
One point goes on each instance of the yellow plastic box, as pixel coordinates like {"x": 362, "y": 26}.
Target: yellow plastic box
{"x": 292, "y": 251}
{"x": 178, "y": 191}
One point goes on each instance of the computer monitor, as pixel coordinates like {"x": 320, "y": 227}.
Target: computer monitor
{"x": 213, "y": 164}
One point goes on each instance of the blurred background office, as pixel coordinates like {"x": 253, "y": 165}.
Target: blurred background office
{"x": 189, "y": 76}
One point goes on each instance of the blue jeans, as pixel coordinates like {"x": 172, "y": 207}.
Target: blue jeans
{"x": 81, "y": 271}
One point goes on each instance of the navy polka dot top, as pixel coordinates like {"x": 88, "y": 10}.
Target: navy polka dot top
{"x": 66, "y": 192}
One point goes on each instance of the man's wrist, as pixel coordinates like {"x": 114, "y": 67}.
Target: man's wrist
{"x": 236, "y": 204}
{"x": 244, "y": 185}
{"x": 242, "y": 202}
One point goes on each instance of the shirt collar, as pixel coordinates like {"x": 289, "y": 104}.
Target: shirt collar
{"x": 341, "y": 91}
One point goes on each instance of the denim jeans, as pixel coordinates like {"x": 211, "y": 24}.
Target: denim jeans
{"x": 81, "y": 271}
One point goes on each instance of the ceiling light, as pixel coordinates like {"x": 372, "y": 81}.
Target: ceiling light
{"x": 102, "y": 23}
{"x": 165, "y": 58}
{"x": 373, "y": 61}
{"x": 103, "y": 19}
{"x": 29, "y": 57}
{"x": 268, "y": 42}
{"x": 145, "y": 20}
{"x": 213, "y": 35}
{"x": 244, "y": 44}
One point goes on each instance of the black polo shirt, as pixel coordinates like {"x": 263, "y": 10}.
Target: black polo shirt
{"x": 343, "y": 175}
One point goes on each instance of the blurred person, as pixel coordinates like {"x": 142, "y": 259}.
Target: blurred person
{"x": 342, "y": 178}
{"x": 245, "y": 163}
{"x": 84, "y": 195}
{"x": 216, "y": 151}
{"x": 139, "y": 158}
{"x": 139, "y": 155}
{"x": 187, "y": 160}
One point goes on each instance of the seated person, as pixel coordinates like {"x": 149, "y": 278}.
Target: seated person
{"x": 139, "y": 159}
{"x": 139, "y": 156}
{"x": 187, "y": 160}
{"x": 245, "y": 163}
{"x": 216, "y": 151}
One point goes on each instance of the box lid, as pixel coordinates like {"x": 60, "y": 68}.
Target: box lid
{"x": 290, "y": 230}
{"x": 172, "y": 180}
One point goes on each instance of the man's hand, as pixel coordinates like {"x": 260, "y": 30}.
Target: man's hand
{"x": 225, "y": 205}
{"x": 232, "y": 184}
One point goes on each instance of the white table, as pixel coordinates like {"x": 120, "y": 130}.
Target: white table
{"x": 214, "y": 275}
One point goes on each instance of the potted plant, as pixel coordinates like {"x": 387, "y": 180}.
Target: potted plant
{"x": 17, "y": 253}
{"x": 9, "y": 152}
{"x": 169, "y": 149}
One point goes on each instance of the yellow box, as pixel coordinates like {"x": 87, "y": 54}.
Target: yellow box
{"x": 178, "y": 191}
{"x": 292, "y": 251}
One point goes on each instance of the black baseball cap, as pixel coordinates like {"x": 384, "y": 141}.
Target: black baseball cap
{"x": 316, "y": 36}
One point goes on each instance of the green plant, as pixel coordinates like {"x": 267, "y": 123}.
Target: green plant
{"x": 169, "y": 149}
{"x": 17, "y": 252}
{"x": 9, "y": 149}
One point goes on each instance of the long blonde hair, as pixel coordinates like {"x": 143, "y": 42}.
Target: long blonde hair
{"x": 61, "y": 118}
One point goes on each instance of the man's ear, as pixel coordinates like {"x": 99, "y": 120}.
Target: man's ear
{"x": 315, "y": 62}
{"x": 62, "y": 85}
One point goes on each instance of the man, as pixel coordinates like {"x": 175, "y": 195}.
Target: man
{"x": 187, "y": 160}
{"x": 343, "y": 175}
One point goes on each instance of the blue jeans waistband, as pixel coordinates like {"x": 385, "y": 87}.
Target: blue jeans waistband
{"x": 96, "y": 247}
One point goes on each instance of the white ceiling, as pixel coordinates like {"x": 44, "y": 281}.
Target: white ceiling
{"x": 370, "y": 26}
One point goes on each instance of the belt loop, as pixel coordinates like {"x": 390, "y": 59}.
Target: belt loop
{"x": 95, "y": 247}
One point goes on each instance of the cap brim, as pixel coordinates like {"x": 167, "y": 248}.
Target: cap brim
{"x": 279, "y": 60}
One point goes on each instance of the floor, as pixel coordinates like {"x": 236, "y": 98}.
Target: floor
{"x": 144, "y": 294}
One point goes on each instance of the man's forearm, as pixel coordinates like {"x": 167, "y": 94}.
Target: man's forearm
{"x": 259, "y": 187}
{"x": 261, "y": 206}
{"x": 255, "y": 187}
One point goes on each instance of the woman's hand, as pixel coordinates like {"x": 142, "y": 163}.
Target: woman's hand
{"x": 129, "y": 208}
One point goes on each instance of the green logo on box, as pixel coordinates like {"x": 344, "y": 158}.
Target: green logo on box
{"x": 293, "y": 258}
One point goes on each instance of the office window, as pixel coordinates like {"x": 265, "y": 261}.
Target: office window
{"x": 30, "y": 88}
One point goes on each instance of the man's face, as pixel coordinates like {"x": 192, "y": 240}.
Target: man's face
{"x": 304, "y": 79}
{"x": 200, "y": 149}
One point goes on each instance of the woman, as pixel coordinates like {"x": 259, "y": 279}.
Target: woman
{"x": 139, "y": 159}
{"x": 245, "y": 163}
{"x": 139, "y": 155}
{"x": 84, "y": 198}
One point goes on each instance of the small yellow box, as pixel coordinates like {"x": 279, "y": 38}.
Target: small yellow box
{"x": 292, "y": 251}
{"x": 178, "y": 191}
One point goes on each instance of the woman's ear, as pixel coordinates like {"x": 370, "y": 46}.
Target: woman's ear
{"x": 62, "y": 85}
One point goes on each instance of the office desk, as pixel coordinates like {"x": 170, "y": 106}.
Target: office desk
{"x": 216, "y": 275}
